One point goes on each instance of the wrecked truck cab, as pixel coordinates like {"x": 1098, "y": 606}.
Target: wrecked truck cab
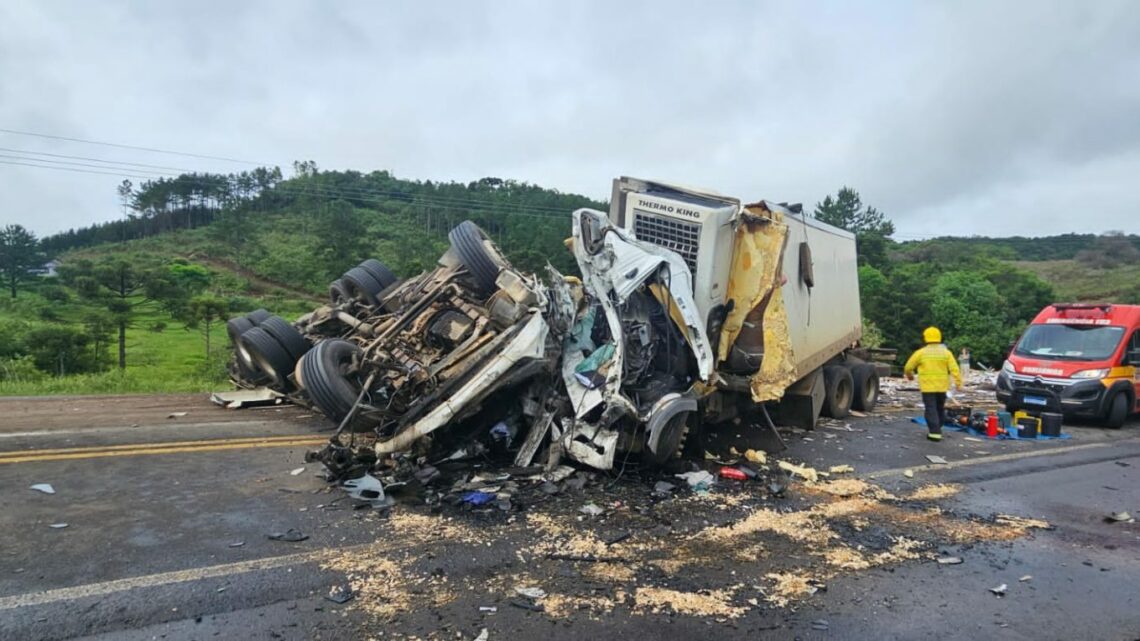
{"x": 636, "y": 349}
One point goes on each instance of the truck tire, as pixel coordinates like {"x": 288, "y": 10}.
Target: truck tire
{"x": 478, "y": 254}
{"x": 839, "y": 391}
{"x": 235, "y": 327}
{"x": 269, "y": 357}
{"x": 865, "y": 386}
{"x": 380, "y": 272}
{"x": 361, "y": 285}
{"x": 338, "y": 293}
{"x": 287, "y": 336}
{"x": 258, "y": 316}
{"x": 672, "y": 436}
{"x": 1117, "y": 411}
{"x": 328, "y": 383}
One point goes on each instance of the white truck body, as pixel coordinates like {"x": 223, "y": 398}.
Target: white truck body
{"x": 821, "y": 290}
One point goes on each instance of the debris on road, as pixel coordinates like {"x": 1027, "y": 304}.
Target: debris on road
{"x": 291, "y": 535}
{"x": 340, "y": 594}
{"x": 297, "y": 471}
{"x": 1025, "y": 578}
{"x": 1022, "y": 522}
{"x": 908, "y": 473}
{"x": 237, "y": 544}
{"x": 58, "y": 526}
{"x": 590, "y": 509}
{"x": 483, "y": 635}
{"x": 937, "y": 460}
{"x": 736, "y": 474}
{"x": 760, "y": 457}
{"x": 530, "y": 592}
{"x": 806, "y": 473}
{"x": 46, "y": 488}
{"x": 841, "y": 469}
{"x": 177, "y": 414}
{"x": 1120, "y": 517}
{"x": 699, "y": 481}
{"x": 239, "y": 399}
{"x": 478, "y": 498}
{"x": 949, "y": 560}
{"x": 366, "y": 488}
{"x": 999, "y": 591}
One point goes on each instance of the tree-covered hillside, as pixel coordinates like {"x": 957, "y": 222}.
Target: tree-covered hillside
{"x": 305, "y": 230}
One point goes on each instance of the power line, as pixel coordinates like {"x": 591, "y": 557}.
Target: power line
{"x": 78, "y": 171}
{"x": 136, "y": 147}
{"x": 100, "y": 160}
{"x": 54, "y": 163}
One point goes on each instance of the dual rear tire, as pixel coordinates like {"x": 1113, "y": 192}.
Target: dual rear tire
{"x": 267, "y": 348}
{"x": 847, "y": 388}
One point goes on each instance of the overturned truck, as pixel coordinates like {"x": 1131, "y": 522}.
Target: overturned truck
{"x": 691, "y": 309}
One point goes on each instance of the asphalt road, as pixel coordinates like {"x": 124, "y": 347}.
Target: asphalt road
{"x": 167, "y": 522}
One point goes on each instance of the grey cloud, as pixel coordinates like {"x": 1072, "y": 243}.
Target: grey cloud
{"x": 965, "y": 118}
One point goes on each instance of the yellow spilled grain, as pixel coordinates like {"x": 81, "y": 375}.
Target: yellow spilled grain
{"x": 560, "y": 606}
{"x": 716, "y": 603}
{"x": 789, "y": 586}
{"x": 934, "y": 492}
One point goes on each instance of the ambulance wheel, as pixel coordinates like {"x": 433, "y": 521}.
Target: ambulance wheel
{"x": 1117, "y": 411}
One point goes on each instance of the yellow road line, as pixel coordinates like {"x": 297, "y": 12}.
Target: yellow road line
{"x": 143, "y": 446}
{"x": 981, "y": 460}
{"x": 172, "y": 448}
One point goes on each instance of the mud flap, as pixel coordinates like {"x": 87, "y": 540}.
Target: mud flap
{"x": 801, "y": 404}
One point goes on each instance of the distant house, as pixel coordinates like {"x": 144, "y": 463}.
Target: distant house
{"x": 47, "y": 270}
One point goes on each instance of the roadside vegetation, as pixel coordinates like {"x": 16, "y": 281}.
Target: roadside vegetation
{"x": 139, "y": 303}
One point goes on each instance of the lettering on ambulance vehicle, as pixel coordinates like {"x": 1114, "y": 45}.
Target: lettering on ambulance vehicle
{"x": 1043, "y": 370}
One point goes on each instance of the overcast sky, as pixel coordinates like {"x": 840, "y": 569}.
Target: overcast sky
{"x": 964, "y": 118}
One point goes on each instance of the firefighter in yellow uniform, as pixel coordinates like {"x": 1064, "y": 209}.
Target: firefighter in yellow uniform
{"x": 935, "y": 365}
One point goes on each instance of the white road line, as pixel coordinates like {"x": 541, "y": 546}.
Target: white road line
{"x": 998, "y": 458}
{"x": 168, "y": 578}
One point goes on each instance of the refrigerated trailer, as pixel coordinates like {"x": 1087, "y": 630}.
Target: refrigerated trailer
{"x": 778, "y": 293}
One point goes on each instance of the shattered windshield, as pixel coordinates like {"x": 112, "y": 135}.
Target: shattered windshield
{"x": 1070, "y": 342}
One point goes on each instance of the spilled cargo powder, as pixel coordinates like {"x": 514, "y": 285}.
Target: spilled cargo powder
{"x": 712, "y": 603}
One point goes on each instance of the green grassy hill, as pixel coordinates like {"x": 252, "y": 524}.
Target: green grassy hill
{"x": 1076, "y": 282}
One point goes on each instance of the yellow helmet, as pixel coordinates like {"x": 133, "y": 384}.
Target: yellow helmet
{"x": 932, "y": 335}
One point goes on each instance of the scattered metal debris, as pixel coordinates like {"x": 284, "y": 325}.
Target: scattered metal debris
{"x": 999, "y": 591}
{"x": 937, "y": 460}
{"x": 46, "y": 488}
{"x": 238, "y": 399}
{"x": 590, "y": 509}
{"x": 291, "y": 535}
{"x": 530, "y": 592}
{"x": 340, "y": 594}
{"x": 58, "y": 526}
